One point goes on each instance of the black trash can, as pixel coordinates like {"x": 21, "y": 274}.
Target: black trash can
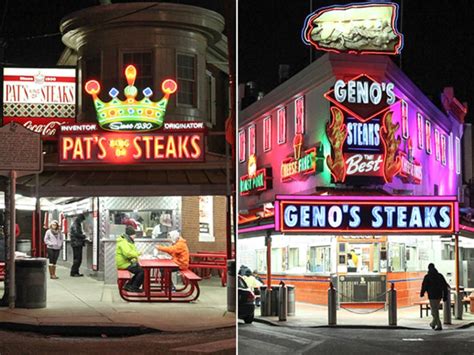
{"x": 31, "y": 282}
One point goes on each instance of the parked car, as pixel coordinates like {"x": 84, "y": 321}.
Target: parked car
{"x": 246, "y": 302}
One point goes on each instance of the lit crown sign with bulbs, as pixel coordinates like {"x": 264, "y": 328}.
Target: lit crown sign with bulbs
{"x": 132, "y": 131}
{"x": 131, "y": 115}
{"x": 365, "y": 28}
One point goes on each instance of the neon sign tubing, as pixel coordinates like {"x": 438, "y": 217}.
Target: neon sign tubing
{"x": 366, "y": 198}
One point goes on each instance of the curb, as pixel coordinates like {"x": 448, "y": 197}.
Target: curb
{"x": 79, "y": 330}
{"x": 396, "y": 327}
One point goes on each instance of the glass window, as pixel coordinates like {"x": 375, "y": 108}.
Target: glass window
{"x": 411, "y": 258}
{"x": 396, "y": 257}
{"x": 443, "y": 149}
{"x": 186, "y": 74}
{"x": 267, "y": 133}
{"x": 319, "y": 259}
{"x": 404, "y": 105}
{"x": 279, "y": 260}
{"x": 299, "y": 115}
{"x": 281, "y": 125}
{"x": 428, "y": 136}
{"x": 458, "y": 155}
{"x": 143, "y": 62}
{"x": 252, "y": 142}
{"x": 241, "y": 146}
{"x": 419, "y": 123}
{"x": 293, "y": 258}
{"x": 437, "y": 146}
{"x": 451, "y": 151}
{"x": 261, "y": 261}
{"x": 447, "y": 253}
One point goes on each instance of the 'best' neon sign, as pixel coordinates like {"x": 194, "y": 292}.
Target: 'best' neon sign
{"x": 366, "y": 214}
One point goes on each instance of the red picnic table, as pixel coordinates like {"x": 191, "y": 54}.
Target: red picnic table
{"x": 157, "y": 285}
{"x": 205, "y": 261}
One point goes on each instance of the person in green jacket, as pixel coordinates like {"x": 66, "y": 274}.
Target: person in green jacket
{"x": 126, "y": 258}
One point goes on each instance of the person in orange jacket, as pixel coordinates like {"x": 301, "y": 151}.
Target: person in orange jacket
{"x": 178, "y": 250}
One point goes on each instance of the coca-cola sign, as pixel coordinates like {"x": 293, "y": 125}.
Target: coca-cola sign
{"x": 48, "y": 128}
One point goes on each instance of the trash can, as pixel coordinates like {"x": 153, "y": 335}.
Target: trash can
{"x": 291, "y": 300}
{"x": 31, "y": 276}
{"x": 231, "y": 286}
{"x": 264, "y": 310}
{"x": 276, "y": 298}
{"x": 24, "y": 246}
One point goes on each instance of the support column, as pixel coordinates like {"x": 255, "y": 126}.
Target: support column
{"x": 268, "y": 242}
{"x": 12, "y": 240}
{"x": 459, "y": 296}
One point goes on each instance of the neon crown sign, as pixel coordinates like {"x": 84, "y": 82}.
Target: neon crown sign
{"x": 131, "y": 115}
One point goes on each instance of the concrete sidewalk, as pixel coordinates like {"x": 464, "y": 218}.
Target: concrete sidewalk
{"x": 88, "y": 302}
{"x": 309, "y": 315}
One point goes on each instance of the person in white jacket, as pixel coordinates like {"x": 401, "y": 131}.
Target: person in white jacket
{"x": 54, "y": 241}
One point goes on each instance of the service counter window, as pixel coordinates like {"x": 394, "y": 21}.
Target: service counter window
{"x": 293, "y": 258}
{"x": 397, "y": 257}
{"x": 319, "y": 259}
{"x": 154, "y": 223}
{"x": 261, "y": 256}
{"x": 411, "y": 257}
{"x": 447, "y": 253}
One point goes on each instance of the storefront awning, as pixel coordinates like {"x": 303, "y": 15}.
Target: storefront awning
{"x": 186, "y": 179}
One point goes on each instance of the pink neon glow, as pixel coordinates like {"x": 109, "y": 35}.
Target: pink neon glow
{"x": 466, "y": 228}
{"x": 365, "y": 198}
{"x": 255, "y": 229}
{"x": 456, "y": 216}
{"x": 277, "y": 215}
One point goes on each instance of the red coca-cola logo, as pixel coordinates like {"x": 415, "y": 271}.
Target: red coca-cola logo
{"x": 48, "y": 128}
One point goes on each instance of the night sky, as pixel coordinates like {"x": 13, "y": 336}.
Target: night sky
{"x": 30, "y": 28}
{"x": 438, "y": 50}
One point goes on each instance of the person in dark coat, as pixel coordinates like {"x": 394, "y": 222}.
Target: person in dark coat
{"x": 77, "y": 243}
{"x": 435, "y": 284}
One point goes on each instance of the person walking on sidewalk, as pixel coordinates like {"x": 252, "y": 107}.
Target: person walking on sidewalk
{"x": 54, "y": 242}
{"x": 77, "y": 243}
{"x": 435, "y": 284}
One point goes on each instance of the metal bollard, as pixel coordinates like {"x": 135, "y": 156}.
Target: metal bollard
{"x": 332, "y": 308}
{"x": 447, "y": 309}
{"x": 268, "y": 302}
{"x": 283, "y": 302}
{"x": 392, "y": 305}
{"x": 458, "y": 305}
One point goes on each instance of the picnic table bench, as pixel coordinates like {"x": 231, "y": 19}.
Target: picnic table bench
{"x": 204, "y": 262}
{"x": 425, "y": 305}
{"x": 157, "y": 285}
{"x": 2, "y": 271}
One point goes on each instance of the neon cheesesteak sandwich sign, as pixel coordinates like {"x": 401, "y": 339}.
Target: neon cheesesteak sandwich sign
{"x": 368, "y": 214}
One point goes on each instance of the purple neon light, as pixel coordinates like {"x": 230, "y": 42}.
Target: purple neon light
{"x": 364, "y": 198}
{"x": 466, "y": 228}
{"x": 277, "y": 215}
{"x": 257, "y": 228}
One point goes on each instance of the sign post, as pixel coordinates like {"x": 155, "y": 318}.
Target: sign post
{"x": 20, "y": 154}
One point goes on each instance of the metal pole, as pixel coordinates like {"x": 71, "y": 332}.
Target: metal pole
{"x": 283, "y": 302}
{"x": 12, "y": 240}
{"x": 447, "y": 309}
{"x": 332, "y": 307}
{"x": 392, "y": 305}
{"x": 459, "y": 296}
{"x": 268, "y": 294}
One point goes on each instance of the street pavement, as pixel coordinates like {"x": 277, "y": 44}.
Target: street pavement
{"x": 258, "y": 338}
{"x": 217, "y": 341}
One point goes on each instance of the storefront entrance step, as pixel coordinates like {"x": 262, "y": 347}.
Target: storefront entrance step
{"x": 108, "y": 330}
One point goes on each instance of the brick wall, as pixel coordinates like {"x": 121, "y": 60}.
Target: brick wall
{"x": 190, "y": 224}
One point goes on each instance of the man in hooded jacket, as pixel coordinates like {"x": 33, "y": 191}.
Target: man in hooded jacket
{"x": 435, "y": 284}
{"x": 126, "y": 258}
{"x": 77, "y": 243}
